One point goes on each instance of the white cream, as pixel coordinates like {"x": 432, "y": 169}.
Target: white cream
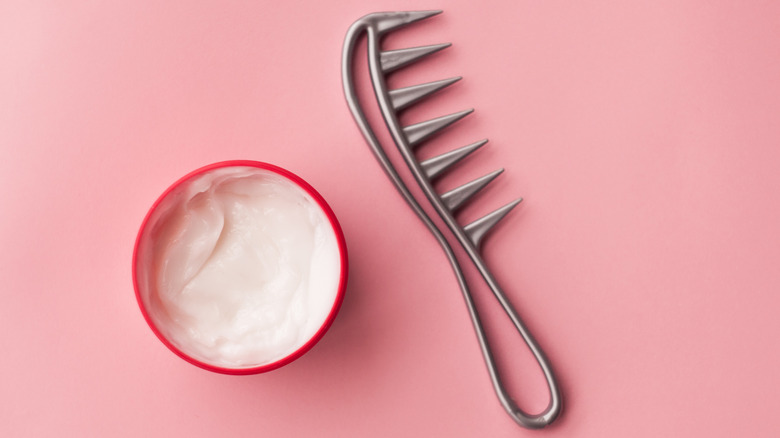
{"x": 238, "y": 267}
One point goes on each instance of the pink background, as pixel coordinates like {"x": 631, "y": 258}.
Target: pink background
{"x": 644, "y": 138}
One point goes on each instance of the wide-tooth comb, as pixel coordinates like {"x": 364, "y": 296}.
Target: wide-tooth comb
{"x": 407, "y": 139}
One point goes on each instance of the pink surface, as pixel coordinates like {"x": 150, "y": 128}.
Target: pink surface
{"x": 645, "y": 258}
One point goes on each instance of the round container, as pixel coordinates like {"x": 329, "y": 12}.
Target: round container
{"x": 147, "y": 262}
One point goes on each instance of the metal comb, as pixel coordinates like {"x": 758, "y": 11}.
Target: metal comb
{"x": 407, "y": 140}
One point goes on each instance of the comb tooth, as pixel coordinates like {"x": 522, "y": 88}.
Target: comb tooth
{"x": 403, "y": 97}
{"x": 394, "y": 59}
{"x": 434, "y": 167}
{"x": 418, "y": 132}
{"x": 477, "y": 229}
{"x": 455, "y": 198}
{"x": 394, "y": 20}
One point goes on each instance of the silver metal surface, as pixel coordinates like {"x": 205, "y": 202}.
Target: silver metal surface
{"x": 470, "y": 237}
{"x": 392, "y": 60}
{"x": 419, "y": 132}
{"x": 436, "y": 166}
{"x": 403, "y": 97}
{"x": 457, "y": 197}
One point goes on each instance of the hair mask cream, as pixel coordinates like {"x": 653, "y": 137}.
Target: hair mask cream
{"x": 240, "y": 267}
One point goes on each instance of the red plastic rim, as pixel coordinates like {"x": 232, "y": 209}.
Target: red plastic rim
{"x": 342, "y": 277}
